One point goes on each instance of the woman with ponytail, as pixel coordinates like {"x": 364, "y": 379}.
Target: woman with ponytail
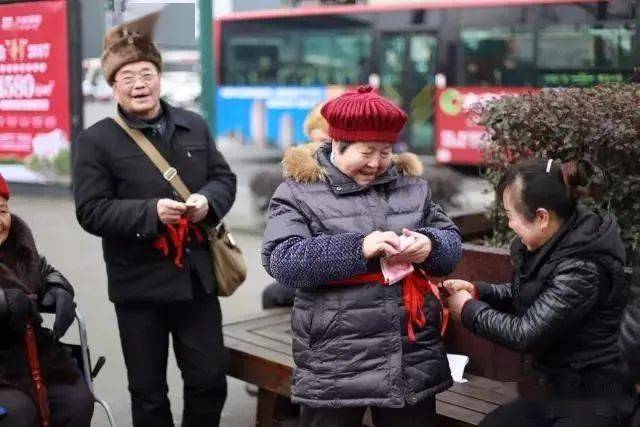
{"x": 564, "y": 304}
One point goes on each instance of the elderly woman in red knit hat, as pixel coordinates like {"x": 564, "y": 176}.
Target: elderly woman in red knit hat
{"x": 28, "y": 283}
{"x": 354, "y": 230}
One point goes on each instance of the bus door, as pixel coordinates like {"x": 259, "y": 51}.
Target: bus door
{"x": 406, "y": 67}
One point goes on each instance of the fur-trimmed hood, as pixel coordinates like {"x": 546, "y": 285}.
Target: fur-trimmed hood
{"x": 301, "y": 164}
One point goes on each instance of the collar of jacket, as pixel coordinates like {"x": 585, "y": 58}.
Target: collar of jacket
{"x": 174, "y": 117}
{"x": 309, "y": 163}
{"x": 527, "y": 263}
{"x": 587, "y": 233}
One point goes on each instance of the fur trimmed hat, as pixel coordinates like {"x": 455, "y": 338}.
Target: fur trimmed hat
{"x": 4, "y": 188}
{"x": 130, "y": 42}
{"x": 363, "y": 116}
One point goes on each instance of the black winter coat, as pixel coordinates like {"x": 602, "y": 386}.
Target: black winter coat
{"x": 117, "y": 187}
{"x": 630, "y": 326}
{"x": 350, "y": 343}
{"x": 566, "y": 300}
{"x": 21, "y": 267}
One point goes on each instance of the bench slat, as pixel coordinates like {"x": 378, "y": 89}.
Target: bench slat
{"x": 463, "y": 401}
{"x": 454, "y": 412}
{"x": 495, "y": 392}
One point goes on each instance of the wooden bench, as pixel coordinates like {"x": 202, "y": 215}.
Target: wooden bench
{"x": 259, "y": 350}
{"x": 260, "y": 353}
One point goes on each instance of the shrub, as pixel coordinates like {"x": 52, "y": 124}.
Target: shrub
{"x": 600, "y": 124}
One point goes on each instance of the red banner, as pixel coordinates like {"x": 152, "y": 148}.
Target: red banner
{"x": 34, "y": 86}
{"x": 459, "y": 139}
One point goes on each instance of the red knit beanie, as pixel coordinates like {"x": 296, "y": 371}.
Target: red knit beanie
{"x": 363, "y": 116}
{"x": 4, "y": 188}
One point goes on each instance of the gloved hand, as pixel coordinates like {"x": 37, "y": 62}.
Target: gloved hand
{"x": 20, "y": 308}
{"x": 63, "y": 303}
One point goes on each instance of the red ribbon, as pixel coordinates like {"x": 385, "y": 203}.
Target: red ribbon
{"x": 415, "y": 287}
{"x": 177, "y": 235}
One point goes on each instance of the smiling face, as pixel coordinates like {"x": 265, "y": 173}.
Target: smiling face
{"x": 5, "y": 220}
{"x": 363, "y": 161}
{"x": 136, "y": 88}
{"x": 533, "y": 233}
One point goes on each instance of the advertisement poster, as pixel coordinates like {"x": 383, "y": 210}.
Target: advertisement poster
{"x": 459, "y": 140}
{"x": 267, "y": 116}
{"x": 34, "y": 92}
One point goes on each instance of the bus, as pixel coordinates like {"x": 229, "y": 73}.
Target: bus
{"x": 430, "y": 57}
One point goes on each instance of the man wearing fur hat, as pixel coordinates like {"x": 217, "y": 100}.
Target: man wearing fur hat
{"x": 158, "y": 266}
{"x": 353, "y": 229}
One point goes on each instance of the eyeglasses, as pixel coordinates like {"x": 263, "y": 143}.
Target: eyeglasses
{"x": 129, "y": 80}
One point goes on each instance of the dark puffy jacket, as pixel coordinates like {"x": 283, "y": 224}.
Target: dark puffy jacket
{"x": 349, "y": 342}
{"x": 630, "y": 326}
{"x": 23, "y": 268}
{"x": 566, "y": 300}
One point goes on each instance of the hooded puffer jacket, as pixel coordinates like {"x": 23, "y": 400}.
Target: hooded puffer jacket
{"x": 350, "y": 343}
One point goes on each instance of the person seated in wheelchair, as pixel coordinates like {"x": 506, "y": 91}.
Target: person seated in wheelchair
{"x": 29, "y": 284}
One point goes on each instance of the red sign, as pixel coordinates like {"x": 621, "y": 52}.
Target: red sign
{"x": 459, "y": 139}
{"x": 34, "y": 86}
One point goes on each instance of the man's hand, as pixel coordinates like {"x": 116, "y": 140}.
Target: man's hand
{"x": 170, "y": 211}
{"x": 456, "y": 302}
{"x": 380, "y": 243}
{"x": 197, "y": 207}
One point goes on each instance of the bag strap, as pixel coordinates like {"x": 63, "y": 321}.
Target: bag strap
{"x": 168, "y": 172}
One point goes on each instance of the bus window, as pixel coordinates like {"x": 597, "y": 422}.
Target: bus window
{"x": 392, "y": 61}
{"x": 579, "y": 55}
{"x": 497, "y": 56}
{"x": 330, "y": 58}
{"x": 585, "y": 47}
{"x": 260, "y": 60}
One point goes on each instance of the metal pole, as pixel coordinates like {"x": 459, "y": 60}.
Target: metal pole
{"x": 207, "y": 76}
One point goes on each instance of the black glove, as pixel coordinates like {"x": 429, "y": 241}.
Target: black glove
{"x": 65, "y": 309}
{"x": 20, "y": 308}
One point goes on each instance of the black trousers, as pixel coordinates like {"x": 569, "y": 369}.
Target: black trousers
{"x": 196, "y": 330}
{"x": 71, "y": 405}
{"x": 420, "y": 415}
{"x": 562, "y": 413}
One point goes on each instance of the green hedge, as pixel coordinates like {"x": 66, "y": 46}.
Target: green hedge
{"x": 600, "y": 124}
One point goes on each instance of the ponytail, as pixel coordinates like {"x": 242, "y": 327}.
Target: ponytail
{"x": 582, "y": 179}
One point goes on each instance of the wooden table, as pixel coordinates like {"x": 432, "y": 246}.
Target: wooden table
{"x": 260, "y": 353}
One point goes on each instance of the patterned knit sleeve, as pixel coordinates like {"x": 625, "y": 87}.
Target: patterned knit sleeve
{"x": 446, "y": 240}
{"x": 308, "y": 263}
{"x": 296, "y": 258}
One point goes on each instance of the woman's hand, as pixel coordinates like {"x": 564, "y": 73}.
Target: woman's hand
{"x": 456, "y": 302}
{"x": 380, "y": 243}
{"x": 454, "y": 285}
{"x": 20, "y": 308}
{"x": 418, "y": 251}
